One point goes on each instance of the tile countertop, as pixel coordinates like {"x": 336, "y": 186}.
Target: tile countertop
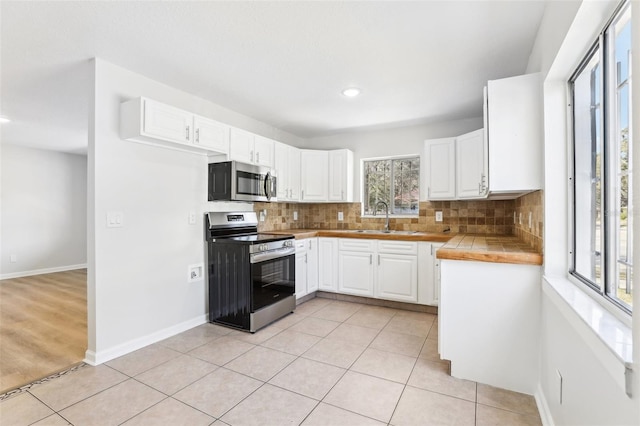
{"x": 489, "y": 248}
{"x": 476, "y": 247}
{"x": 352, "y": 233}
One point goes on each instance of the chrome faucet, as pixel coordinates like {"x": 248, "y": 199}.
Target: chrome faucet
{"x": 386, "y": 206}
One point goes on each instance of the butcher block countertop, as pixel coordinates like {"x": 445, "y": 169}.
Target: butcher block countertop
{"x": 368, "y": 234}
{"x": 489, "y": 248}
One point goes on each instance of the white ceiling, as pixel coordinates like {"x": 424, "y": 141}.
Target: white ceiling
{"x": 283, "y": 63}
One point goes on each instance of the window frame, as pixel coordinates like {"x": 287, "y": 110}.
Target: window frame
{"x": 363, "y": 184}
{"x": 608, "y": 87}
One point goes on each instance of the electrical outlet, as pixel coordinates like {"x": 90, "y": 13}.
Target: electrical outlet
{"x": 340, "y": 216}
{"x": 295, "y": 215}
{"x": 262, "y": 216}
{"x": 195, "y": 273}
{"x": 438, "y": 216}
{"x": 13, "y": 258}
{"x": 192, "y": 218}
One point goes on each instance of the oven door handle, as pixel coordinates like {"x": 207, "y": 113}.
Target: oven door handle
{"x": 272, "y": 254}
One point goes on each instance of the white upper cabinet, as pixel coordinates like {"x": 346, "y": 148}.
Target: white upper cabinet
{"x": 471, "y": 161}
{"x": 241, "y": 146}
{"x": 440, "y": 169}
{"x": 252, "y": 149}
{"x": 146, "y": 120}
{"x": 341, "y": 175}
{"x": 287, "y": 168}
{"x": 513, "y": 117}
{"x": 264, "y": 149}
{"x": 314, "y": 175}
{"x": 211, "y": 134}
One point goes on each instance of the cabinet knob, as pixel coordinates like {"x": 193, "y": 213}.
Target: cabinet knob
{"x": 197, "y": 135}
{"x": 187, "y": 133}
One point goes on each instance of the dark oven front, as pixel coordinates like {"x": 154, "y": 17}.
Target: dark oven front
{"x": 241, "y": 283}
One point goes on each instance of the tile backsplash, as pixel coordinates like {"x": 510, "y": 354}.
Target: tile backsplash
{"x": 486, "y": 216}
{"x": 477, "y": 216}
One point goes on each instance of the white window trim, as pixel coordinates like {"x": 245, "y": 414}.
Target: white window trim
{"x": 577, "y": 304}
{"x": 362, "y": 191}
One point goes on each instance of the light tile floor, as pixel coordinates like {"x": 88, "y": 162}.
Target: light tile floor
{"x": 329, "y": 363}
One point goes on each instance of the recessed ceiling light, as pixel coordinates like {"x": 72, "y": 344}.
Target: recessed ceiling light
{"x": 351, "y": 92}
{"x": 4, "y": 119}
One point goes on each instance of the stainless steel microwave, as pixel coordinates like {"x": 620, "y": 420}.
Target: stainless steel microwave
{"x": 234, "y": 181}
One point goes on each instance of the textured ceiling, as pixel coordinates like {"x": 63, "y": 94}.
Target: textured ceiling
{"x": 283, "y": 63}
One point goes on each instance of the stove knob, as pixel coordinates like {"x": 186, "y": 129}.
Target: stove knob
{"x": 263, "y": 247}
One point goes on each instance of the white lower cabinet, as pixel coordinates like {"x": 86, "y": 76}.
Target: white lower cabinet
{"x": 355, "y": 273}
{"x": 397, "y": 271}
{"x": 328, "y": 264}
{"x": 306, "y": 266}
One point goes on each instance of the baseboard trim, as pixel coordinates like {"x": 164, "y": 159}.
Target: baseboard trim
{"x": 96, "y": 358}
{"x": 543, "y": 408}
{"x": 42, "y": 271}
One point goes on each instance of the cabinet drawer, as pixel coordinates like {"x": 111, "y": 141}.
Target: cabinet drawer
{"x": 399, "y": 247}
{"x": 352, "y": 244}
{"x": 301, "y": 245}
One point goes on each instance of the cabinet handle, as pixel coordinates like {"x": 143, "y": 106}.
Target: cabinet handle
{"x": 342, "y": 195}
{"x": 305, "y": 258}
{"x": 251, "y": 156}
{"x": 428, "y": 192}
{"x": 378, "y": 260}
{"x": 197, "y": 135}
{"x": 309, "y": 244}
{"x": 370, "y": 259}
{"x": 187, "y": 135}
{"x": 479, "y": 188}
{"x": 302, "y": 197}
{"x": 258, "y": 157}
{"x": 431, "y": 249}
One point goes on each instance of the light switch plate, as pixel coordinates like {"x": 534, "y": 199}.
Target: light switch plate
{"x": 115, "y": 219}
{"x": 192, "y": 218}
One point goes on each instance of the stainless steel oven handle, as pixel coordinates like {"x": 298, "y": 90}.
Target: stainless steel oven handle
{"x": 272, "y": 254}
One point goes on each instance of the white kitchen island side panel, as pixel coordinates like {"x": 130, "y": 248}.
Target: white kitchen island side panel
{"x": 489, "y": 322}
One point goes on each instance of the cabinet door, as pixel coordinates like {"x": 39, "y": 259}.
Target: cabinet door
{"x": 440, "y": 169}
{"x": 470, "y": 173}
{"x": 341, "y": 175}
{"x": 167, "y": 123}
{"x": 294, "y": 174}
{"x": 314, "y": 167}
{"x": 355, "y": 273}
{"x": 211, "y": 134}
{"x": 515, "y": 133}
{"x": 263, "y": 155}
{"x": 241, "y": 145}
{"x": 301, "y": 274}
{"x": 312, "y": 264}
{"x": 397, "y": 277}
{"x": 328, "y": 258}
{"x": 282, "y": 169}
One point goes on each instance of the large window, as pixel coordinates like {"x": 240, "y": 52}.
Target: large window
{"x": 392, "y": 181}
{"x": 602, "y": 202}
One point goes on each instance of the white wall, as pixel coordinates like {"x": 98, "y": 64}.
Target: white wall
{"x": 592, "y": 375}
{"x": 137, "y": 274}
{"x": 44, "y": 208}
{"x": 396, "y": 141}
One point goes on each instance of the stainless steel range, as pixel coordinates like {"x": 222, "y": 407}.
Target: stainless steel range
{"x": 251, "y": 274}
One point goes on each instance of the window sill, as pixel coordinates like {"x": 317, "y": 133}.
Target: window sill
{"x": 595, "y": 321}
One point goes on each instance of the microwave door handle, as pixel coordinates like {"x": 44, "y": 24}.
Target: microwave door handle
{"x": 267, "y": 185}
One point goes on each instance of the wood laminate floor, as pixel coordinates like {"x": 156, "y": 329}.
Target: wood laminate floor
{"x": 43, "y": 326}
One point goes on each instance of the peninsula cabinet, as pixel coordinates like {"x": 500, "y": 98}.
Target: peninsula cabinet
{"x": 314, "y": 175}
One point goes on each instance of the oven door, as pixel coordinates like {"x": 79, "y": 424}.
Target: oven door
{"x": 272, "y": 277}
